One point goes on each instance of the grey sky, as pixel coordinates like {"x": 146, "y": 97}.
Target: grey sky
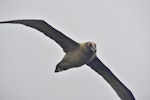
{"x": 121, "y": 30}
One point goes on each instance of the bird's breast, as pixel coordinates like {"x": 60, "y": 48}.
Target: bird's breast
{"x": 78, "y": 57}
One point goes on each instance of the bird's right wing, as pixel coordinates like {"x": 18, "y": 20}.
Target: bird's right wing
{"x": 123, "y": 92}
{"x": 66, "y": 43}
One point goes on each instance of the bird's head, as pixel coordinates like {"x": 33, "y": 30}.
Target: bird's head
{"x": 91, "y": 46}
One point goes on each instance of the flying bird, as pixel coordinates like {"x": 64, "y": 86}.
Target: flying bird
{"x": 78, "y": 54}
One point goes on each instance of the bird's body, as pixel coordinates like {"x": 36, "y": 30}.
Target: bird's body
{"x": 78, "y": 54}
{"x": 77, "y": 57}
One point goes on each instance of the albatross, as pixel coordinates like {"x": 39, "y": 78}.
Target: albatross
{"x": 77, "y": 54}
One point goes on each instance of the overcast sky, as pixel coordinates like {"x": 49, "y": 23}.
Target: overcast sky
{"x": 120, "y": 28}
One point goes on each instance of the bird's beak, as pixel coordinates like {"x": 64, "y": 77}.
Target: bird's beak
{"x": 93, "y": 48}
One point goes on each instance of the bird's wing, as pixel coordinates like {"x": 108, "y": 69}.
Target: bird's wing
{"x": 123, "y": 92}
{"x": 66, "y": 43}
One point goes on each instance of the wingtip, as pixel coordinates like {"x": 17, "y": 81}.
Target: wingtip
{"x": 6, "y": 22}
{"x": 2, "y": 22}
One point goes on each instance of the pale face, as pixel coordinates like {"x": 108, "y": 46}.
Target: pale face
{"x": 91, "y": 46}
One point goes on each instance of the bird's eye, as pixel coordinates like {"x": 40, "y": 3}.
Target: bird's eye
{"x": 88, "y": 44}
{"x": 91, "y": 46}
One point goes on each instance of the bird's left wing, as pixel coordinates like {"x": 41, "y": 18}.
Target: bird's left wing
{"x": 66, "y": 43}
{"x": 123, "y": 92}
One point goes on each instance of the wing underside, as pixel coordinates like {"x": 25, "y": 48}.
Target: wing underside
{"x": 123, "y": 92}
{"x": 66, "y": 43}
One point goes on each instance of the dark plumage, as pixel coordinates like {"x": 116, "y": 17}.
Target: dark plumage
{"x": 78, "y": 54}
